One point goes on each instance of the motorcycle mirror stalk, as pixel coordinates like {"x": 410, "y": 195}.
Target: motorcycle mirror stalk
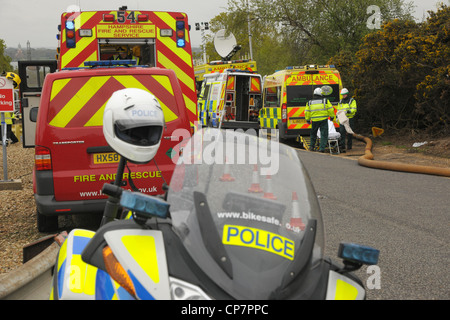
{"x": 355, "y": 255}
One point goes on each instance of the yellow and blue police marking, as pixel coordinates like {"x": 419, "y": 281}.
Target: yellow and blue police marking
{"x": 258, "y": 239}
{"x": 81, "y": 275}
{"x": 108, "y": 289}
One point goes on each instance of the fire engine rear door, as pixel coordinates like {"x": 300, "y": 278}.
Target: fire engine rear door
{"x": 32, "y": 74}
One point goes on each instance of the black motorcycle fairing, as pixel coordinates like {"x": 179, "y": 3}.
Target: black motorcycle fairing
{"x": 311, "y": 284}
{"x": 183, "y": 267}
{"x": 210, "y": 236}
{"x": 263, "y": 228}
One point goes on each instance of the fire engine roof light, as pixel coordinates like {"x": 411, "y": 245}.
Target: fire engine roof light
{"x": 142, "y": 17}
{"x": 109, "y": 17}
{"x": 358, "y": 253}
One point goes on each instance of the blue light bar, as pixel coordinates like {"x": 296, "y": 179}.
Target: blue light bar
{"x": 358, "y": 253}
{"x": 108, "y": 63}
{"x": 144, "y": 204}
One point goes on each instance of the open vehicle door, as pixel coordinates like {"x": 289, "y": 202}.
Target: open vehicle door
{"x": 32, "y": 74}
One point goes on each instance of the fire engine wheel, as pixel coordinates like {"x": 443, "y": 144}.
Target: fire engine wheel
{"x": 46, "y": 223}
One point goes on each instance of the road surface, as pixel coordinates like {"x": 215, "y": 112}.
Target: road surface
{"x": 404, "y": 215}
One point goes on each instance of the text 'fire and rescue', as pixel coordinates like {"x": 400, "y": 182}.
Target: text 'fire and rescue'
{"x": 112, "y": 176}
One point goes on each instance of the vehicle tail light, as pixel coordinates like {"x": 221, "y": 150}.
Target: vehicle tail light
{"x": 42, "y": 159}
{"x": 284, "y": 113}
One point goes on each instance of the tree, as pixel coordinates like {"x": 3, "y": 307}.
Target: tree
{"x": 433, "y": 92}
{"x": 401, "y": 74}
{"x": 4, "y": 59}
{"x": 320, "y": 29}
{"x": 269, "y": 48}
{"x": 299, "y": 32}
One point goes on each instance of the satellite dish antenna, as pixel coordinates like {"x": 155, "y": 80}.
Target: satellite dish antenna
{"x": 225, "y": 44}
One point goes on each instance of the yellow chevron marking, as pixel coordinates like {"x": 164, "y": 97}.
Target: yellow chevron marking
{"x": 186, "y": 57}
{"x": 165, "y": 82}
{"x": 181, "y": 75}
{"x": 167, "y": 18}
{"x": 57, "y": 86}
{"x": 92, "y": 57}
{"x": 97, "y": 118}
{"x": 132, "y": 82}
{"x": 78, "y": 101}
{"x": 72, "y": 53}
{"x": 190, "y": 105}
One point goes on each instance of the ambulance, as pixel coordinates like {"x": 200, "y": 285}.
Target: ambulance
{"x": 220, "y": 66}
{"x": 286, "y": 93}
{"x": 231, "y": 97}
{"x": 152, "y": 38}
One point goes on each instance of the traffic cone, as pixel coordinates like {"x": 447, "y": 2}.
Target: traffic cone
{"x": 269, "y": 193}
{"x": 296, "y": 220}
{"x": 226, "y": 173}
{"x": 255, "y": 187}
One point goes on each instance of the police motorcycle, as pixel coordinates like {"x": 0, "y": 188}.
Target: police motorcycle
{"x": 240, "y": 220}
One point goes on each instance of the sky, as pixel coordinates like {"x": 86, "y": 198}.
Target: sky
{"x": 37, "y": 20}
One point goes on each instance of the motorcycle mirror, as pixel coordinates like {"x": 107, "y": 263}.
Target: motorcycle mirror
{"x": 358, "y": 254}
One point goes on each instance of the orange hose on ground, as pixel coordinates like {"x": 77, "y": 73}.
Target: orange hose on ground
{"x": 367, "y": 161}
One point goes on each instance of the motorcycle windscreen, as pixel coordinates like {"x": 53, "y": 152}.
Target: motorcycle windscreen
{"x": 246, "y": 212}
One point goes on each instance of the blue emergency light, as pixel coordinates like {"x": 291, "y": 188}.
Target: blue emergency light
{"x": 144, "y": 204}
{"x": 358, "y": 253}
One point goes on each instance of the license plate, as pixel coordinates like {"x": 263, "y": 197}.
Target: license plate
{"x": 110, "y": 157}
{"x": 298, "y": 121}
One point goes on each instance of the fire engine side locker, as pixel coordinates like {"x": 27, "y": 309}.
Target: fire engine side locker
{"x": 32, "y": 74}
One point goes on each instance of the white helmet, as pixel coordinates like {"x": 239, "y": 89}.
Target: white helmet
{"x": 344, "y": 91}
{"x": 133, "y": 122}
{"x": 318, "y": 91}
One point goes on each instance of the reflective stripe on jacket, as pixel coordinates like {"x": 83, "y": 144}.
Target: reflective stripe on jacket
{"x": 350, "y": 106}
{"x": 319, "y": 109}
